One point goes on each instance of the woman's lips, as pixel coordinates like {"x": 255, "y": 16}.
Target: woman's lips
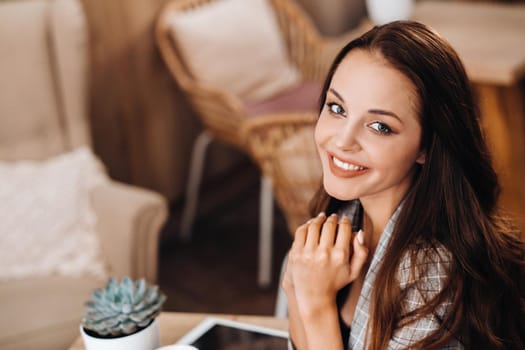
{"x": 341, "y": 168}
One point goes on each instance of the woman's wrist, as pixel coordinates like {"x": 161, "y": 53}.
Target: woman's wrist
{"x": 321, "y": 327}
{"x": 316, "y": 309}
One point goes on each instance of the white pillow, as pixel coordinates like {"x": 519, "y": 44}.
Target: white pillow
{"x": 47, "y": 221}
{"x": 235, "y": 45}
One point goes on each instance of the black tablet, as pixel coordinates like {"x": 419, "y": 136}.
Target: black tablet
{"x": 223, "y": 334}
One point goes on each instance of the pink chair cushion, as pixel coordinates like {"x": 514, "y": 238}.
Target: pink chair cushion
{"x": 303, "y": 97}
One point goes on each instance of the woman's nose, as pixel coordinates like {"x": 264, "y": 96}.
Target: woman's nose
{"x": 347, "y": 137}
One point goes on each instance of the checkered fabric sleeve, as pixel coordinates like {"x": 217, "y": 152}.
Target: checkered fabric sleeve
{"x": 420, "y": 287}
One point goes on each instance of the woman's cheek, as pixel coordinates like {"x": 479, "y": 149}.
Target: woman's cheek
{"x": 323, "y": 130}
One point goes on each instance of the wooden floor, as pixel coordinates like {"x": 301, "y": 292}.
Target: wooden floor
{"x": 217, "y": 270}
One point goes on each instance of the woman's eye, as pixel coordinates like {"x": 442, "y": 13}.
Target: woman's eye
{"x": 336, "y": 108}
{"x": 381, "y": 128}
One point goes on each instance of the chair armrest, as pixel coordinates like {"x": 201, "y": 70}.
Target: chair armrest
{"x": 265, "y": 136}
{"x": 283, "y": 146}
{"x": 220, "y": 111}
{"x": 278, "y": 126}
{"x": 129, "y": 223}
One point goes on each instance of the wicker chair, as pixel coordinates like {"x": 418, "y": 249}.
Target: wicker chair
{"x": 223, "y": 114}
{"x": 283, "y": 146}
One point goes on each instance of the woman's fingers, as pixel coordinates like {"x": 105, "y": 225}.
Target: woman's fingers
{"x": 328, "y": 232}
{"x": 300, "y": 236}
{"x": 359, "y": 256}
{"x": 314, "y": 231}
{"x": 344, "y": 234}
{"x": 325, "y": 256}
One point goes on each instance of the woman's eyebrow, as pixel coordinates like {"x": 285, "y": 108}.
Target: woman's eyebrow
{"x": 332, "y": 90}
{"x": 371, "y": 111}
{"x": 383, "y": 112}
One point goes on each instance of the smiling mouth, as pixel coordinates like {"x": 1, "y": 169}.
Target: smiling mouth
{"x": 343, "y": 169}
{"x": 346, "y": 166}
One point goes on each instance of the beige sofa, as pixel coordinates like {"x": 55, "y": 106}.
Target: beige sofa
{"x": 43, "y": 112}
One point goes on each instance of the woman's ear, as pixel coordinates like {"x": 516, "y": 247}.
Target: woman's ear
{"x": 421, "y": 157}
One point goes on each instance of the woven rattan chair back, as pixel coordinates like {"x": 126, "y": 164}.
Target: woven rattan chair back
{"x": 224, "y": 116}
{"x": 283, "y": 145}
{"x": 220, "y": 111}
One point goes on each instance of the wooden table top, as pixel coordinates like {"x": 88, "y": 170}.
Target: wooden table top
{"x": 489, "y": 37}
{"x": 173, "y": 325}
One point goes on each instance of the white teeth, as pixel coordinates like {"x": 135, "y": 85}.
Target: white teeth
{"x": 346, "y": 166}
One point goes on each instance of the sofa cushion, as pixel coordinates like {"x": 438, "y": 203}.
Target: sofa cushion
{"x": 235, "y": 45}
{"x": 48, "y": 224}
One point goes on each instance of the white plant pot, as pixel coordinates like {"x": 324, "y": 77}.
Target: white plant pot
{"x": 146, "y": 339}
{"x": 384, "y": 11}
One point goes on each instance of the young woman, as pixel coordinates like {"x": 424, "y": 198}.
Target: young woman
{"x": 410, "y": 250}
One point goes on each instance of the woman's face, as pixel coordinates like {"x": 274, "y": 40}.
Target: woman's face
{"x": 368, "y": 134}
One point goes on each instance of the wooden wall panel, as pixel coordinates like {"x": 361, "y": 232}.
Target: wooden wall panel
{"x": 142, "y": 127}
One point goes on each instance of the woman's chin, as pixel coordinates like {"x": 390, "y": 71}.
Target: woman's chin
{"x": 339, "y": 193}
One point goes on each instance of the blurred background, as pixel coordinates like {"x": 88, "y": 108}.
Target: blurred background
{"x": 213, "y": 237}
{"x": 143, "y": 129}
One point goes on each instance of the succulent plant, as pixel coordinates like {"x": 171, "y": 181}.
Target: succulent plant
{"x": 122, "y": 308}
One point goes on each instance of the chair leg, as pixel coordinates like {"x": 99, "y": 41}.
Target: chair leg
{"x": 265, "y": 233}
{"x": 194, "y": 180}
{"x": 281, "y": 303}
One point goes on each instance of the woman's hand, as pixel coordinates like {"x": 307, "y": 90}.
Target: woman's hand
{"x": 325, "y": 256}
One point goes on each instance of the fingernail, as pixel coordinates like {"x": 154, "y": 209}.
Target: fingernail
{"x": 321, "y": 214}
{"x": 360, "y": 237}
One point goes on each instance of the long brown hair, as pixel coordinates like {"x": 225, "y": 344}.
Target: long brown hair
{"x": 452, "y": 204}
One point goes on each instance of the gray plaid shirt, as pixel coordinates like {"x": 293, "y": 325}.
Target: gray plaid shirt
{"x": 424, "y": 287}
{"x": 429, "y": 284}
